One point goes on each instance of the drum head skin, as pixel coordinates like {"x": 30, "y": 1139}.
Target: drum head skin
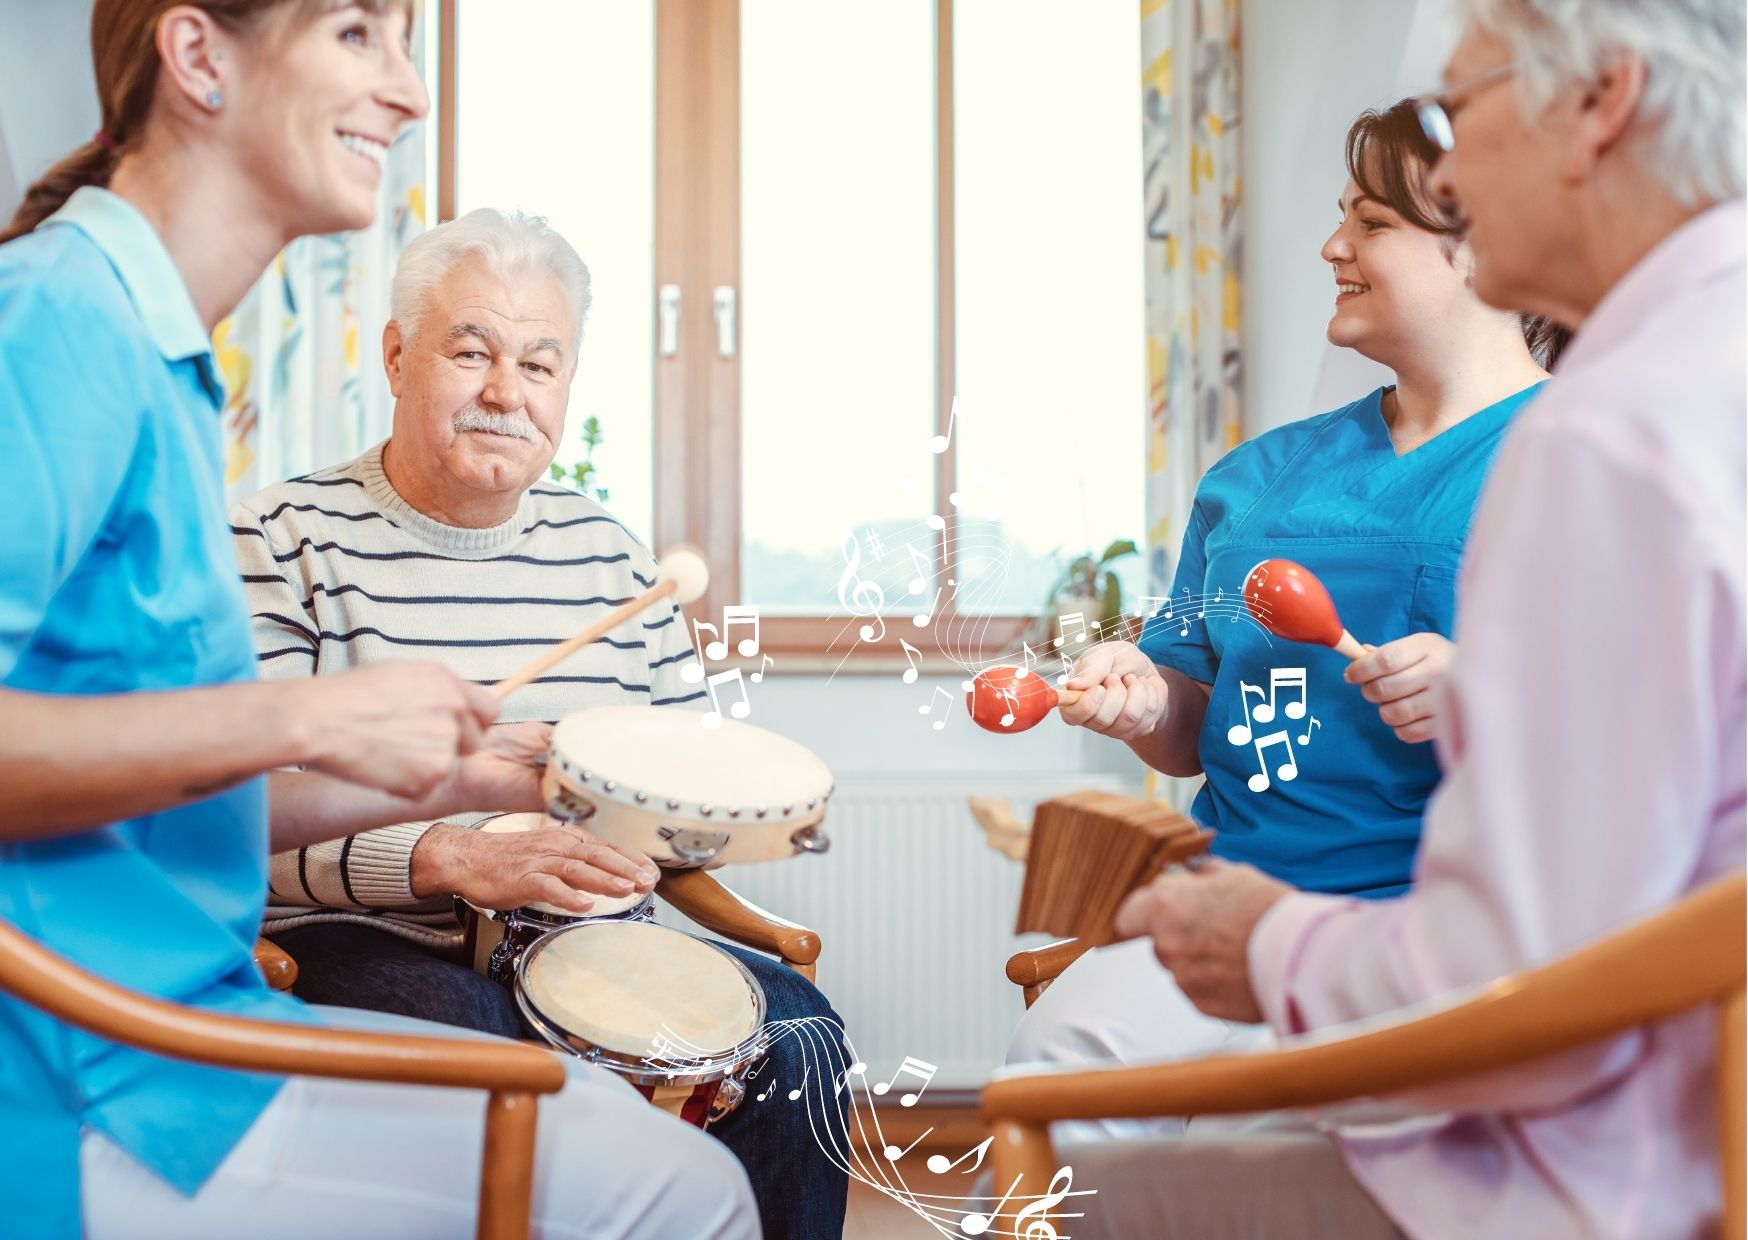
{"x": 619, "y": 985}
{"x": 603, "y": 906}
{"x": 665, "y": 752}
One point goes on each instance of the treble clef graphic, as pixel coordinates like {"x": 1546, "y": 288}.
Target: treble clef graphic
{"x": 858, "y": 597}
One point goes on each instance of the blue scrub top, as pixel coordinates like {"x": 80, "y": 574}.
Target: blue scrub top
{"x": 1304, "y": 781}
{"x": 117, "y": 575}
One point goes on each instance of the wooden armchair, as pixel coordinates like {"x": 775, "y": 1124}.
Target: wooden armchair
{"x": 512, "y": 1074}
{"x": 695, "y": 893}
{"x": 1685, "y": 957}
{"x": 698, "y": 895}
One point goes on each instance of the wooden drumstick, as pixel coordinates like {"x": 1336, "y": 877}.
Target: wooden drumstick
{"x": 681, "y": 575}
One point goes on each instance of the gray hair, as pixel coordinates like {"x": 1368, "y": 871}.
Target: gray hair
{"x": 512, "y": 244}
{"x": 1689, "y": 131}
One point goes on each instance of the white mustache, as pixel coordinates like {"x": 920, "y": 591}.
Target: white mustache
{"x": 516, "y": 425}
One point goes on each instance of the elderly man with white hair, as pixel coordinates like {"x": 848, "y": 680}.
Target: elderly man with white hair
{"x": 1593, "y": 735}
{"x": 445, "y": 543}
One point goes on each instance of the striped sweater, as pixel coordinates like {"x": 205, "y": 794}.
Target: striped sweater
{"x": 341, "y": 571}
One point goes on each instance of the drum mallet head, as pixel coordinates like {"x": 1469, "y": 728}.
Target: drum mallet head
{"x": 685, "y": 567}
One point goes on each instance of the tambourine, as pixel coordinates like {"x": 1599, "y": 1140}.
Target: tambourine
{"x": 654, "y": 779}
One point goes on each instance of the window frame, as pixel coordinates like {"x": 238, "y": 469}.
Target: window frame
{"x": 697, "y": 394}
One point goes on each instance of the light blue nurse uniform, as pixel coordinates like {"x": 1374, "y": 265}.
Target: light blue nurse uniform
{"x": 117, "y": 576}
{"x": 1304, "y": 780}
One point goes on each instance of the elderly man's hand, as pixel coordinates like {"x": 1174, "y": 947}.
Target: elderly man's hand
{"x": 556, "y": 864}
{"x": 1200, "y": 924}
{"x": 1402, "y": 678}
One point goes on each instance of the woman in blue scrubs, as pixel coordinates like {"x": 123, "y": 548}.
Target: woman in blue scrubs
{"x": 1317, "y": 771}
{"x": 134, "y": 736}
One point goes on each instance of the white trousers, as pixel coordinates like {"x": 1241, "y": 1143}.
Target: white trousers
{"x": 1118, "y": 1004}
{"x": 353, "y": 1159}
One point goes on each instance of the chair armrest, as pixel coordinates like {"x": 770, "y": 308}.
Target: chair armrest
{"x": 276, "y": 964}
{"x": 1038, "y": 966}
{"x": 699, "y": 896}
{"x": 1679, "y": 959}
{"x": 41, "y": 978}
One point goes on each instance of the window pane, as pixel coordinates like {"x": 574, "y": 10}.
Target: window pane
{"x": 837, "y": 290}
{"x": 1051, "y": 376}
{"x": 556, "y": 115}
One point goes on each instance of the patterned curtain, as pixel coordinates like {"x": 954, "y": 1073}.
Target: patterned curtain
{"x": 300, "y": 355}
{"x": 1190, "y": 94}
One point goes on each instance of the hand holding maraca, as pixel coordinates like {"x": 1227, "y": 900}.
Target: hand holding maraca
{"x": 1123, "y": 695}
{"x": 1400, "y": 677}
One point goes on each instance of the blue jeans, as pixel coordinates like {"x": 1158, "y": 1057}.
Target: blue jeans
{"x": 801, "y": 1190}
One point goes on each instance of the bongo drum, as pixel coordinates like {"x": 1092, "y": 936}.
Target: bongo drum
{"x": 654, "y": 779}
{"x": 679, "y": 1018}
{"x": 494, "y": 939}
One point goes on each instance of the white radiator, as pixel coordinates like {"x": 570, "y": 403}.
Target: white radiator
{"x": 916, "y": 916}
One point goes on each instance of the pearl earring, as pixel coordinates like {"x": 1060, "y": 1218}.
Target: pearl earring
{"x": 214, "y": 100}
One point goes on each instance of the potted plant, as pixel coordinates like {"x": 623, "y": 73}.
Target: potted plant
{"x": 579, "y": 476}
{"x": 1088, "y": 588}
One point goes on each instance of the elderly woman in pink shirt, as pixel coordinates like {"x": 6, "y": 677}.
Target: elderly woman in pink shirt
{"x": 1593, "y": 733}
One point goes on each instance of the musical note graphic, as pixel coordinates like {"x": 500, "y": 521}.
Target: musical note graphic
{"x": 913, "y": 671}
{"x": 935, "y": 521}
{"x": 980, "y": 477}
{"x": 915, "y": 1067}
{"x": 693, "y": 672}
{"x": 893, "y": 1153}
{"x": 938, "y": 443}
{"x": 928, "y": 706}
{"x": 921, "y": 619}
{"x": 1239, "y": 733}
{"x": 877, "y": 1162}
{"x": 940, "y": 1166}
{"x": 1071, "y": 620}
{"x": 1288, "y": 678}
{"x": 1286, "y": 772}
{"x": 1150, "y": 604}
{"x": 740, "y": 709}
{"x": 796, "y": 1092}
{"x": 925, "y": 570}
{"x": 758, "y": 677}
{"x": 1315, "y": 723}
{"x": 731, "y": 616}
{"x": 977, "y": 1224}
{"x": 875, "y": 548}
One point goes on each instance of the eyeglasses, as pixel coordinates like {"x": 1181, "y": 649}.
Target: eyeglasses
{"x": 1438, "y": 112}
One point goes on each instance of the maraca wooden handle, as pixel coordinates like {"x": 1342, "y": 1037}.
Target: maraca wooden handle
{"x": 1068, "y": 697}
{"x": 1348, "y": 646}
{"x": 557, "y": 654}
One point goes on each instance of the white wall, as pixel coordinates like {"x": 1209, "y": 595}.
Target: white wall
{"x": 1309, "y": 69}
{"x": 48, "y": 97}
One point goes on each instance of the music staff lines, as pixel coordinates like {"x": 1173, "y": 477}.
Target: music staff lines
{"x": 825, "y": 1060}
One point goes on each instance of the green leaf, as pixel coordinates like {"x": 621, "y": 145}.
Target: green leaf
{"x": 1117, "y": 551}
{"x": 1113, "y": 597}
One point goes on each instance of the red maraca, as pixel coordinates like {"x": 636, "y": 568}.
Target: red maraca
{"x": 1011, "y": 699}
{"x": 1288, "y": 600}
